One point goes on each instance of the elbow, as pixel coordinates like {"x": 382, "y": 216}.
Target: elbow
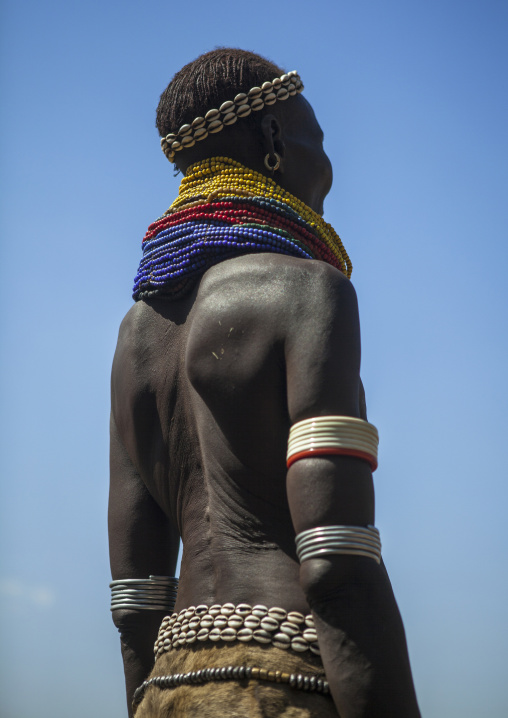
{"x": 325, "y": 580}
{"x": 138, "y": 629}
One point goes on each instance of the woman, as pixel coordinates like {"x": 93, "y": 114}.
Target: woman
{"x": 245, "y": 327}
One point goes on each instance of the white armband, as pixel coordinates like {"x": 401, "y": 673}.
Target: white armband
{"x": 322, "y": 435}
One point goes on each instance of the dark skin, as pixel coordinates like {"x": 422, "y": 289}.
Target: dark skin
{"x": 204, "y": 391}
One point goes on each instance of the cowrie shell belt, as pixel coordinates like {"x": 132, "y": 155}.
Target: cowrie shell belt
{"x": 227, "y": 622}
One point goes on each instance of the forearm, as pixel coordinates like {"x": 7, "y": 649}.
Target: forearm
{"x": 361, "y": 637}
{"x": 138, "y": 632}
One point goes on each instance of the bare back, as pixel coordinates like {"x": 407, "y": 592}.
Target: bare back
{"x": 204, "y": 381}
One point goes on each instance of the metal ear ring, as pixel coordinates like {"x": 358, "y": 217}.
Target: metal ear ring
{"x": 274, "y": 167}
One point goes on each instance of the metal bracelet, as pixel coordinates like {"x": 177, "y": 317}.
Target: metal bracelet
{"x": 156, "y": 593}
{"x": 327, "y": 540}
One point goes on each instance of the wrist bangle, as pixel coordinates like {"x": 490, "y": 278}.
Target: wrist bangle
{"x": 156, "y": 593}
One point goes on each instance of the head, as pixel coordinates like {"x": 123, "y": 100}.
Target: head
{"x": 288, "y": 128}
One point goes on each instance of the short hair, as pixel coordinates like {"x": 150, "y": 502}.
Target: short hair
{"x": 207, "y": 82}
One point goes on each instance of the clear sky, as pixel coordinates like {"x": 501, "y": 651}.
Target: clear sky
{"x": 412, "y": 97}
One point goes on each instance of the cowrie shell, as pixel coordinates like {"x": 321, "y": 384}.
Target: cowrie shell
{"x": 290, "y": 629}
{"x": 269, "y": 624}
{"x": 235, "y": 621}
{"x": 226, "y": 107}
{"x": 230, "y": 118}
{"x": 244, "y": 635}
{"x": 259, "y": 610}
{"x": 252, "y": 622}
{"x": 227, "y": 609}
{"x": 215, "y": 126}
{"x": 262, "y": 636}
{"x": 228, "y": 634}
{"x": 310, "y": 635}
{"x": 257, "y": 104}
{"x": 296, "y": 617}
{"x": 281, "y": 640}
{"x": 243, "y": 609}
{"x": 299, "y": 644}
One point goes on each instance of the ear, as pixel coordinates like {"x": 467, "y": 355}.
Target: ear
{"x": 273, "y": 138}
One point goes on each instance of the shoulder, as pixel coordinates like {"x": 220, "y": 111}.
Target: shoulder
{"x": 132, "y": 369}
{"x": 261, "y": 284}
{"x": 253, "y": 311}
{"x": 129, "y": 334}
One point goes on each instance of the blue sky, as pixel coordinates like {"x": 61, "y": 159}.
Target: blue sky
{"x": 412, "y": 99}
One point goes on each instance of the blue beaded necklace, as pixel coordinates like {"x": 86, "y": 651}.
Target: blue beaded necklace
{"x": 180, "y": 246}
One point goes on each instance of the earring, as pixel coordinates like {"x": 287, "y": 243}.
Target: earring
{"x": 274, "y": 167}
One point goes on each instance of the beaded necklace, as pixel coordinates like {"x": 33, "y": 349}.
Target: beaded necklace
{"x": 224, "y": 210}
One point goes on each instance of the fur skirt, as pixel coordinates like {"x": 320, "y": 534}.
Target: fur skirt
{"x": 235, "y": 698}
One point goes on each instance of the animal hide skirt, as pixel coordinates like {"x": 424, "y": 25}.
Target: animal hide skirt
{"x": 236, "y": 697}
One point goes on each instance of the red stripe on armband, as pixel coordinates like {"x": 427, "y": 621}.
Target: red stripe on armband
{"x": 312, "y": 453}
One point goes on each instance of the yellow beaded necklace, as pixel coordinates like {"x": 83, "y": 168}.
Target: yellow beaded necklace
{"x": 220, "y": 177}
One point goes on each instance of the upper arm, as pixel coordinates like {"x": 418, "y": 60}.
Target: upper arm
{"x": 142, "y": 539}
{"x": 323, "y": 348}
{"x": 323, "y": 378}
